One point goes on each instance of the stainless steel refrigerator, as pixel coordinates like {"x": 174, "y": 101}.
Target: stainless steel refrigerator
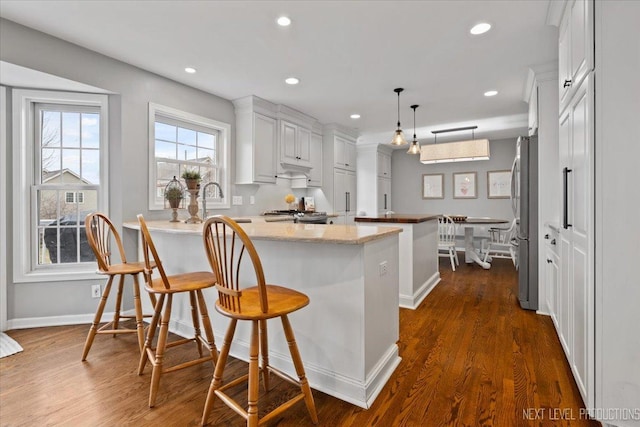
{"x": 524, "y": 201}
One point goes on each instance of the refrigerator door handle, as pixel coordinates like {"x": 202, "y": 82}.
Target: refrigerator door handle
{"x": 565, "y": 198}
{"x": 514, "y": 202}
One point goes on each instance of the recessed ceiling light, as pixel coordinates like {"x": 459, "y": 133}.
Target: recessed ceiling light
{"x": 292, "y": 81}
{"x": 283, "y": 21}
{"x": 491, "y": 93}
{"x": 480, "y": 28}
{"x": 190, "y": 70}
{"x": 355, "y": 116}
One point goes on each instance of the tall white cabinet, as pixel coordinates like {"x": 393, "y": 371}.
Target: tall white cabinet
{"x": 374, "y": 179}
{"x": 340, "y": 180}
{"x": 594, "y": 292}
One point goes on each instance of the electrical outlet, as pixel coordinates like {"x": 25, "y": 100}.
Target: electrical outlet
{"x": 96, "y": 291}
{"x": 383, "y": 268}
{"x": 252, "y": 200}
{"x": 237, "y": 200}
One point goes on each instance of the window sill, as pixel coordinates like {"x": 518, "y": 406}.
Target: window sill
{"x": 59, "y": 275}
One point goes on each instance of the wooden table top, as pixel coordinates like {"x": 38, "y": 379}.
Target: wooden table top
{"x": 398, "y": 218}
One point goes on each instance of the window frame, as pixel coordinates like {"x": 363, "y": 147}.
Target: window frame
{"x": 25, "y": 266}
{"x": 222, "y": 151}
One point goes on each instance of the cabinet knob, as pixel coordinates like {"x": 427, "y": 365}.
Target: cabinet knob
{"x": 567, "y": 83}
{"x": 549, "y": 261}
{"x": 546, "y": 236}
{"x": 553, "y": 242}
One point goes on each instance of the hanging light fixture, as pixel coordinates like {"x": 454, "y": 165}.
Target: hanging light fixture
{"x": 474, "y": 149}
{"x": 398, "y": 137}
{"x": 415, "y": 145}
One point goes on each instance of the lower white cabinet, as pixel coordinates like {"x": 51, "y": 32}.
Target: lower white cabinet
{"x": 384, "y": 195}
{"x": 344, "y": 196}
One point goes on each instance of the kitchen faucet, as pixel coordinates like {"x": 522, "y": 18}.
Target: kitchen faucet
{"x": 204, "y": 197}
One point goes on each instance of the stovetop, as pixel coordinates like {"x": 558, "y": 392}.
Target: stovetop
{"x": 294, "y": 212}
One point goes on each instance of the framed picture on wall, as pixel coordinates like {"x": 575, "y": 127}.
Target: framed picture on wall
{"x": 433, "y": 186}
{"x": 465, "y": 185}
{"x": 498, "y": 184}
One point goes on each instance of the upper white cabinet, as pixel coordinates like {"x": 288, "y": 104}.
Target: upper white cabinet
{"x": 315, "y": 176}
{"x": 344, "y": 153}
{"x": 383, "y": 163}
{"x": 295, "y": 145}
{"x": 533, "y": 111}
{"x": 256, "y": 140}
{"x": 576, "y": 47}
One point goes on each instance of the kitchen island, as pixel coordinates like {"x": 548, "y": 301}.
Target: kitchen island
{"x": 348, "y": 333}
{"x": 418, "y": 254}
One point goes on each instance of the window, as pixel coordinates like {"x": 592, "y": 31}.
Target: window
{"x": 74, "y": 197}
{"x": 180, "y": 141}
{"x": 61, "y": 171}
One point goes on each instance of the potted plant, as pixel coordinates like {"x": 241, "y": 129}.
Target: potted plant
{"x": 173, "y": 196}
{"x": 191, "y": 178}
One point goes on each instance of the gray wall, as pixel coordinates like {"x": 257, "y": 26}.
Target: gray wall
{"x": 406, "y": 185}
{"x": 132, "y": 89}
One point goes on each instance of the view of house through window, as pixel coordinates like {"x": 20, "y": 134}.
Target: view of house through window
{"x": 67, "y": 139}
{"x": 180, "y": 146}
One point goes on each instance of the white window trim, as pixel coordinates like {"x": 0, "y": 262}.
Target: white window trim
{"x": 24, "y": 269}
{"x": 3, "y": 208}
{"x": 223, "y": 151}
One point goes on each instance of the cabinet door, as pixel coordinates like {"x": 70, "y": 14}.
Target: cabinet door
{"x": 339, "y": 155}
{"x": 581, "y": 219}
{"x": 564, "y": 60}
{"x": 288, "y": 134}
{"x": 384, "y": 165}
{"x": 303, "y": 146}
{"x": 265, "y": 138}
{"x": 384, "y": 195}
{"x": 315, "y": 176}
{"x": 581, "y": 40}
{"x": 350, "y": 155}
{"x": 352, "y": 192}
{"x": 340, "y": 191}
{"x": 533, "y": 111}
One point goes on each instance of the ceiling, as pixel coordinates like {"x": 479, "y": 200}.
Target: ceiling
{"x": 348, "y": 55}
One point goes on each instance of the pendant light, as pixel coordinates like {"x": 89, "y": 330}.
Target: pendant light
{"x": 415, "y": 145}
{"x": 460, "y": 151}
{"x": 398, "y": 137}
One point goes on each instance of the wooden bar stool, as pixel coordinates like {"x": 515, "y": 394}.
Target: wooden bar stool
{"x": 100, "y": 234}
{"x": 225, "y": 243}
{"x": 165, "y": 287}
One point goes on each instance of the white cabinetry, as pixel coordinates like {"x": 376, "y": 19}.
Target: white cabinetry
{"x": 344, "y": 153}
{"x": 533, "y": 111}
{"x": 256, "y": 141}
{"x": 374, "y": 179}
{"x": 577, "y": 234}
{"x": 555, "y": 300}
{"x": 345, "y": 196}
{"x": 315, "y": 176}
{"x": 295, "y": 145}
{"x": 576, "y": 46}
{"x": 339, "y": 179}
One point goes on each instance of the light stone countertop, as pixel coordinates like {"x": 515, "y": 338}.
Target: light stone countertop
{"x": 285, "y": 231}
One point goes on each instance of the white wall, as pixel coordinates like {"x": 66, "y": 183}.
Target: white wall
{"x": 406, "y": 185}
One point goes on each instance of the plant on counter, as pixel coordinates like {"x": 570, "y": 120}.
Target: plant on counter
{"x": 173, "y": 196}
{"x": 191, "y": 177}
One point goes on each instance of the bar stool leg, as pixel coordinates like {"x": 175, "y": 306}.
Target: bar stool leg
{"x": 96, "y": 320}
{"x": 297, "y": 362}
{"x": 254, "y": 377}
{"x": 160, "y": 348}
{"x": 116, "y": 314}
{"x": 264, "y": 351}
{"x": 195, "y": 319}
{"x": 208, "y": 330}
{"x": 219, "y": 371}
{"x": 151, "y": 331}
{"x": 138, "y": 308}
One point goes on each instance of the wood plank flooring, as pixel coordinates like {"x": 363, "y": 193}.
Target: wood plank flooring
{"x": 470, "y": 357}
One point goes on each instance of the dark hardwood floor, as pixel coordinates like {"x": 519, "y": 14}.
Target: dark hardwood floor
{"x": 470, "y": 357}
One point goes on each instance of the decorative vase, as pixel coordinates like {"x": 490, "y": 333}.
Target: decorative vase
{"x": 192, "y": 184}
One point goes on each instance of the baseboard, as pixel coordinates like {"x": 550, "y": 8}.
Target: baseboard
{"x": 43, "y": 322}
{"x": 413, "y": 301}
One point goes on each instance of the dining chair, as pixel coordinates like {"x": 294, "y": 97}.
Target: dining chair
{"x": 164, "y": 288}
{"x": 447, "y": 240}
{"x": 101, "y": 234}
{"x": 225, "y": 244}
{"x": 501, "y": 243}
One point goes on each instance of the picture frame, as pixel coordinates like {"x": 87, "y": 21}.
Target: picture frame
{"x": 433, "y": 186}
{"x": 499, "y": 184}
{"x": 465, "y": 185}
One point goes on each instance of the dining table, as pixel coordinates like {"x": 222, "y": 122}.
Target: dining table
{"x": 471, "y": 254}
